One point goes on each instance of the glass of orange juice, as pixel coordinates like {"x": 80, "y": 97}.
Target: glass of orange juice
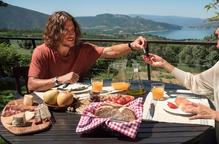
{"x": 157, "y": 90}
{"x": 97, "y": 85}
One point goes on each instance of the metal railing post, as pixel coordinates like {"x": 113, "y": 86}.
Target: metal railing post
{"x": 148, "y": 66}
{"x": 33, "y": 43}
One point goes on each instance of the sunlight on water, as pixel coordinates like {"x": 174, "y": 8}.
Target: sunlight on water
{"x": 185, "y": 33}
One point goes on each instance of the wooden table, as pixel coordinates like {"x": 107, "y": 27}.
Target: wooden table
{"x": 63, "y": 131}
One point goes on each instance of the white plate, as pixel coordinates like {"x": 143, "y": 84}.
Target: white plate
{"x": 74, "y": 87}
{"x": 176, "y": 111}
{"x": 81, "y": 91}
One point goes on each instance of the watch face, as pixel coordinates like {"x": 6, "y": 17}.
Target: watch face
{"x": 55, "y": 81}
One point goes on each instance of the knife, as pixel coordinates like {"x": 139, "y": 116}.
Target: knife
{"x": 65, "y": 85}
{"x": 152, "y": 109}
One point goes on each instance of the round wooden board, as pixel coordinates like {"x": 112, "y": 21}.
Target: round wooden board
{"x": 31, "y": 126}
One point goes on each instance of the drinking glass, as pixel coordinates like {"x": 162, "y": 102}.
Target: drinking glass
{"x": 157, "y": 90}
{"x": 97, "y": 85}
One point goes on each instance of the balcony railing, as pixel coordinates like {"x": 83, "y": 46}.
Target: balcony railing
{"x": 209, "y": 43}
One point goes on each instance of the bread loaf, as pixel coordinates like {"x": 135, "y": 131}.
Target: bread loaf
{"x": 118, "y": 113}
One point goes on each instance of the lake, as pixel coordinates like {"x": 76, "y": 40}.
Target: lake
{"x": 185, "y": 33}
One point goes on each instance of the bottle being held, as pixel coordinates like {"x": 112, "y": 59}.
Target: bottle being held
{"x": 136, "y": 87}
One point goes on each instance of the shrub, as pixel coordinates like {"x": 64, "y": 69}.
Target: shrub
{"x": 11, "y": 56}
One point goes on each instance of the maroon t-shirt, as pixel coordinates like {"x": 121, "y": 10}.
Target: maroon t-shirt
{"x": 47, "y": 63}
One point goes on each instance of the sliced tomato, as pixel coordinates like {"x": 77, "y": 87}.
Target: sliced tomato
{"x": 172, "y": 105}
{"x": 119, "y": 101}
{"x": 124, "y": 101}
{"x": 129, "y": 98}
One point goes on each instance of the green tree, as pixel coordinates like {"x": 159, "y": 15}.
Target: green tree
{"x": 213, "y": 5}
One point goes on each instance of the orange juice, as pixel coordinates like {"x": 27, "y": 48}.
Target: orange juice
{"x": 158, "y": 93}
{"x": 97, "y": 86}
{"x": 120, "y": 85}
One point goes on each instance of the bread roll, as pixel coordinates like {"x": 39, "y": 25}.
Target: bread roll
{"x": 64, "y": 98}
{"x": 50, "y": 96}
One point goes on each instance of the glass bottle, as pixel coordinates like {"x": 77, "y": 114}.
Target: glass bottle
{"x": 136, "y": 87}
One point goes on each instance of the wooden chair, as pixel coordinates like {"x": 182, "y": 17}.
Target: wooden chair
{"x": 20, "y": 73}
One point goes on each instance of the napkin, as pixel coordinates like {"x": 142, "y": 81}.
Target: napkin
{"x": 161, "y": 115}
{"x": 183, "y": 91}
{"x": 89, "y": 121}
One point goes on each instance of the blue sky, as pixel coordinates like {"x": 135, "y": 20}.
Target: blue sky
{"x": 186, "y": 8}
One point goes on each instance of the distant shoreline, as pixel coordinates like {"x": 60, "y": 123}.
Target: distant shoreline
{"x": 184, "y": 33}
{"x": 146, "y": 32}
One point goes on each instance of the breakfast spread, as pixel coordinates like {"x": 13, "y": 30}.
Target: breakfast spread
{"x": 23, "y": 116}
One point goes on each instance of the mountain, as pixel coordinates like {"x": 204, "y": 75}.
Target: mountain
{"x": 13, "y": 17}
{"x": 209, "y": 25}
{"x": 175, "y": 20}
{"x": 122, "y": 24}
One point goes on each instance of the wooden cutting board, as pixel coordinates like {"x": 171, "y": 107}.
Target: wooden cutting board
{"x": 31, "y": 127}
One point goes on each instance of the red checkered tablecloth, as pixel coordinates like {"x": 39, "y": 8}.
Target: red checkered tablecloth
{"x": 89, "y": 121}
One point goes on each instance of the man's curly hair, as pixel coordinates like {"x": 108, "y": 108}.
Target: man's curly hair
{"x": 54, "y": 29}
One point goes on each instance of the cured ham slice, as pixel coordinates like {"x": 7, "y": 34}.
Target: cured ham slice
{"x": 183, "y": 103}
{"x": 10, "y": 110}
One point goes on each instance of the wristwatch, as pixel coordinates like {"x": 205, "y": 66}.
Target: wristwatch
{"x": 130, "y": 46}
{"x": 55, "y": 81}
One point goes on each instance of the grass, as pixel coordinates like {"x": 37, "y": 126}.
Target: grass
{"x": 2, "y": 141}
{"x": 5, "y": 97}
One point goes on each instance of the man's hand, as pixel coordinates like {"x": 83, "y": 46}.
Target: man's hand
{"x": 70, "y": 77}
{"x": 139, "y": 43}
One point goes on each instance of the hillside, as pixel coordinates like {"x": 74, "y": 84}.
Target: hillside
{"x": 13, "y": 17}
{"x": 122, "y": 24}
{"x": 176, "y": 20}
